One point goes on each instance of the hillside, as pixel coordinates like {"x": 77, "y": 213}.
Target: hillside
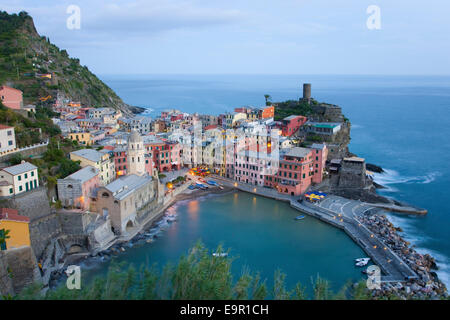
{"x": 25, "y": 57}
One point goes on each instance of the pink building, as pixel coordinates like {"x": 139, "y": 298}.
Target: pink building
{"x": 11, "y": 98}
{"x": 250, "y": 167}
{"x": 291, "y": 124}
{"x": 77, "y": 190}
{"x": 298, "y": 169}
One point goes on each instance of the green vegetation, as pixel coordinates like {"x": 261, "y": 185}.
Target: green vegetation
{"x": 29, "y": 131}
{"x": 161, "y": 175}
{"x": 4, "y": 234}
{"x": 54, "y": 164}
{"x": 196, "y": 276}
{"x": 267, "y": 97}
{"x": 292, "y": 107}
{"x": 23, "y": 54}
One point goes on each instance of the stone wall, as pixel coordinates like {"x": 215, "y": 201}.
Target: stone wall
{"x": 352, "y": 174}
{"x": 18, "y": 269}
{"x": 25, "y": 152}
{"x": 44, "y": 224}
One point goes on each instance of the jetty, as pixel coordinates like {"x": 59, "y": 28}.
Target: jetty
{"x": 343, "y": 214}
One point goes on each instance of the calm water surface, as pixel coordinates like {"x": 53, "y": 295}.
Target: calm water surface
{"x": 261, "y": 233}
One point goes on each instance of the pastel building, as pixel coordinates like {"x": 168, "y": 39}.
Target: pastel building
{"x": 18, "y": 226}
{"x": 102, "y": 160}
{"x": 83, "y": 138}
{"x": 7, "y": 138}
{"x": 124, "y": 199}
{"x": 77, "y": 189}
{"x": 17, "y": 179}
{"x": 291, "y": 124}
{"x": 251, "y": 167}
{"x": 11, "y": 98}
{"x": 298, "y": 169}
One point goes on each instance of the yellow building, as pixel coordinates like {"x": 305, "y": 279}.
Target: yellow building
{"x": 83, "y": 138}
{"x": 18, "y": 226}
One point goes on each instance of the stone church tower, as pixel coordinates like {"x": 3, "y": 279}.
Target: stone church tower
{"x": 135, "y": 154}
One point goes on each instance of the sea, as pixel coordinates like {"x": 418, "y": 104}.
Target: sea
{"x": 401, "y": 123}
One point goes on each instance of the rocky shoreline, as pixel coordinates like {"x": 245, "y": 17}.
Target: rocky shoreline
{"x": 428, "y": 286}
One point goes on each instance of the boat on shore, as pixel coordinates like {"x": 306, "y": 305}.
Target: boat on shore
{"x": 299, "y": 217}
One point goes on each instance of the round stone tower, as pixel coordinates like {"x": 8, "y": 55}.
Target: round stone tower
{"x": 307, "y": 91}
{"x": 135, "y": 154}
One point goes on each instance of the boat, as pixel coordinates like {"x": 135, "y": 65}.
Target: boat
{"x": 222, "y": 254}
{"x": 171, "y": 219}
{"x": 362, "y": 263}
{"x": 299, "y": 217}
{"x": 362, "y": 259}
{"x": 191, "y": 188}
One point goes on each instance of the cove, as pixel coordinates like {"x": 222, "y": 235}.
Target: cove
{"x": 262, "y": 235}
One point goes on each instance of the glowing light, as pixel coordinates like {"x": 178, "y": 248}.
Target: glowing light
{"x": 385, "y": 248}
{"x": 235, "y": 184}
{"x": 254, "y": 190}
{"x": 169, "y": 185}
{"x": 371, "y": 235}
{"x": 374, "y": 247}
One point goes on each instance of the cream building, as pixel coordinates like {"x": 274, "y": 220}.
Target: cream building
{"x": 18, "y": 179}
{"x": 7, "y": 138}
{"x": 102, "y": 160}
{"x": 125, "y": 200}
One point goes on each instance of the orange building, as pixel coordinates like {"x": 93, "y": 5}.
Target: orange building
{"x": 18, "y": 226}
{"x": 268, "y": 112}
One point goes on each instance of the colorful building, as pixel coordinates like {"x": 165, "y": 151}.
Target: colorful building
{"x": 17, "y": 179}
{"x": 77, "y": 189}
{"x": 83, "y": 138}
{"x": 298, "y": 169}
{"x": 18, "y": 226}
{"x": 102, "y": 160}
{"x": 11, "y": 98}
{"x": 291, "y": 124}
{"x": 7, "y": 138}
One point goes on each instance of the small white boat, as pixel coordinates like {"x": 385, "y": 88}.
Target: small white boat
{"x": 362, "y": 263}
{"x": 217, "y": 254}
{"x": 171, "y": 219}
{"x": 362, "y": 259}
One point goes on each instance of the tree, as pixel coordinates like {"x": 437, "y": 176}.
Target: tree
{"x": 268, "y": 98}
{"x": 4, "y": 234}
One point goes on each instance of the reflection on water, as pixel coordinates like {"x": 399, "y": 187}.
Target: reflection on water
{"x": 261, "y": 233}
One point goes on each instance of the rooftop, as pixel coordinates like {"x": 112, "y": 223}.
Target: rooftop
{"x": 123, "y": 186}
{"x": 90, "y": 154}
{"x": 12, "y": 215}
{"x": 84, "y": 174}
{"x": 297, "y": 152}
{"x": 20, "y": 168}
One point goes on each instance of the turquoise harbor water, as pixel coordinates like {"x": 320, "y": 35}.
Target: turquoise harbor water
{"x": 261, "y": 233}
{"x": 400, "y": 123}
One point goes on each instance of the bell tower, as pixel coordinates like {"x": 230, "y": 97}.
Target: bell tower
{"x": 135, "y": 154}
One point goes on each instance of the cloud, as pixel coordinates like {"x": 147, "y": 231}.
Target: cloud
{"x": 147, "y": 17}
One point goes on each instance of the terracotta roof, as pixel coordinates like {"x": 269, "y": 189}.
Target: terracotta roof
{"x": 12, "y": 215}
{"x": 2, "y": 126}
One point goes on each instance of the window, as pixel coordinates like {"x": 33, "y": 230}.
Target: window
{"x": 32, "y": 173}
{"x": 9, "y": 133}
{"x": 26, "y": 175}
{"x": 19, "y": 177}
{"x": 11, "y": 190}
{"x": 20, "y": 188}
{"x": 10, "y": 143}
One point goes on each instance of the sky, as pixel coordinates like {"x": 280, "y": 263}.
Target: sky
{"x": 249, "y": 37}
